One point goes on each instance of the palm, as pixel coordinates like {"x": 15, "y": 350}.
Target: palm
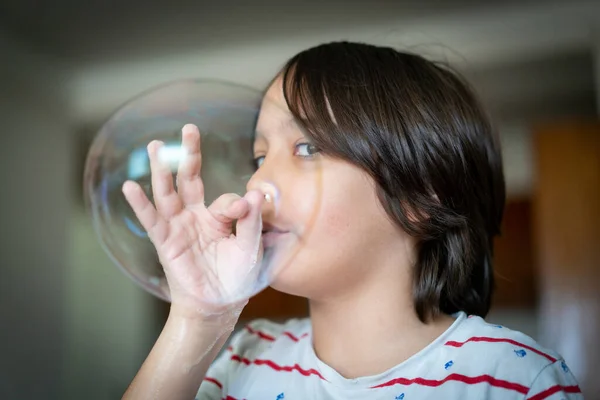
{"x": 196, "y": 238}
{"x": 203, "y": 261}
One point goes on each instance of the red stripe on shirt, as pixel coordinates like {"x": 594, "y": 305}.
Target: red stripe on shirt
{"x": 469, "y": 380}
{"x": 276, "y": 367}
{"x": 260, "y": 334}
{"x": 270, "y": 338}
{"x": 294, "y": 338}
{"x": 555, "y": 389}
{"x": 220, "y": 385}
{"x": 213, "y": 380}
{"x": 499, "y": 340}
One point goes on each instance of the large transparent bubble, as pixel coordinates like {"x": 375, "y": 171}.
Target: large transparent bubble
{"x": 226, "y": 116}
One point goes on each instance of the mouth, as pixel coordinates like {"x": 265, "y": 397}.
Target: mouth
{"x": 272, "y": 235}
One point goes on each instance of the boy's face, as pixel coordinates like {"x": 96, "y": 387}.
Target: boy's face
{"x": 335, "y": 231}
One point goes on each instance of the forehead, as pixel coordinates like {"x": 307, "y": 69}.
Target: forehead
{"x": 275, "y": 116}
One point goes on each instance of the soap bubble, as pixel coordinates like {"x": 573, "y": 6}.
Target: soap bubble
{"x": 226, "y": 116}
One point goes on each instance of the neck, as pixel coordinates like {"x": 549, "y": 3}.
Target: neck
{"x": 377, "y": 322}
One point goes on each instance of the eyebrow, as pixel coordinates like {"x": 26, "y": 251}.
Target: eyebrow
{"x": 292, "y": 123}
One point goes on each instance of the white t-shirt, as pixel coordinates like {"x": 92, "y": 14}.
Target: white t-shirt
{"x": 471, "y": 360}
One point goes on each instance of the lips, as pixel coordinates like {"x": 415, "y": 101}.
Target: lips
{"x": 272, "y": 235}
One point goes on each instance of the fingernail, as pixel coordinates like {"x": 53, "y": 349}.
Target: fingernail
{"x": 189, "y": 128}
{"x": 155, "y": 144}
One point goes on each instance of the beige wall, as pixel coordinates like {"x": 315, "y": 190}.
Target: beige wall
{"x": 34, "y": 206}
{"x": 71, "y": 325}
{"x": 109, "y": 326}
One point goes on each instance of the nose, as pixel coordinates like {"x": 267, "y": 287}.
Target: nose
{"x": 260, "y": 181}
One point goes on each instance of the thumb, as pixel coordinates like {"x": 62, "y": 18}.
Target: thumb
{"x": 228, "y": 207}
{"x": 249, "y": 227}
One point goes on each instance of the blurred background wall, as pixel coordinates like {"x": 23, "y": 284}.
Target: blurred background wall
{"x": 71, "y": 325}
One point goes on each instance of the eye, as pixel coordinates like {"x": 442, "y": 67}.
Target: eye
{"x": 258, "y": 161}
{"x": 305, "y": 150}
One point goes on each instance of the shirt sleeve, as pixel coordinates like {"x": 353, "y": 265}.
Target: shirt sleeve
{"x": 555, "y": 382}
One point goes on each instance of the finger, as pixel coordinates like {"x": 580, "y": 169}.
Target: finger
{"x": 238, "y": 209}
{"x": 166, "y": 199}
{"x": 145, "y": 212}
{"x": 189, "y": 182}
{"x": 249, "y": 227}
{"x": 227, "y": 208}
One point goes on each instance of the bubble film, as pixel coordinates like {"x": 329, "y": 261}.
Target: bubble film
{"x": 225, "y": 115}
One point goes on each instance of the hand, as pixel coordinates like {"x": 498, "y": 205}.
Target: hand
{"x": 204, "y": 262}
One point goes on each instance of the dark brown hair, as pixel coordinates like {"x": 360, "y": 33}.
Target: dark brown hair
{"x": 417, "y": 128}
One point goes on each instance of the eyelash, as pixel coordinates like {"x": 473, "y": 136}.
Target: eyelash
{"x": 257, "y": 160}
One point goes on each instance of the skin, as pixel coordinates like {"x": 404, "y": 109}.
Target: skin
{"x": 338, "y": 249}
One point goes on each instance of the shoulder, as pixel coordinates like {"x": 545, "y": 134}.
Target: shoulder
{"x": 495, "y": 345}
{"x": 509, "y": 356}
{"x": 260, "y": 335}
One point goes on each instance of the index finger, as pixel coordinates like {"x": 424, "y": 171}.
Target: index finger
{"x": 189, "y": 182}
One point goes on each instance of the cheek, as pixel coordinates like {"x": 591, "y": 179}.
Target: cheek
{"x": 328, "y": 210}
{"x": 302, "y": 204}
{"x": 347, "y": 215}
{"x": 330, "y": 252}
{"x": 348, "y": 204}
{"x": 336, "y": 234}
{"x": 335, "y": 218}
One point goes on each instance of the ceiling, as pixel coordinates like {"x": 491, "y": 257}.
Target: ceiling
{"x": 110, "y": 30}
{"x": 528, "y": 58}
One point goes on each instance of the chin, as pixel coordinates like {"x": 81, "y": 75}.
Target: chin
{"x": 292, "y": 281}
{"x": 287, "y": 271}
{"x": 283, "y": 284}
{"x": 302, "y": 273}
